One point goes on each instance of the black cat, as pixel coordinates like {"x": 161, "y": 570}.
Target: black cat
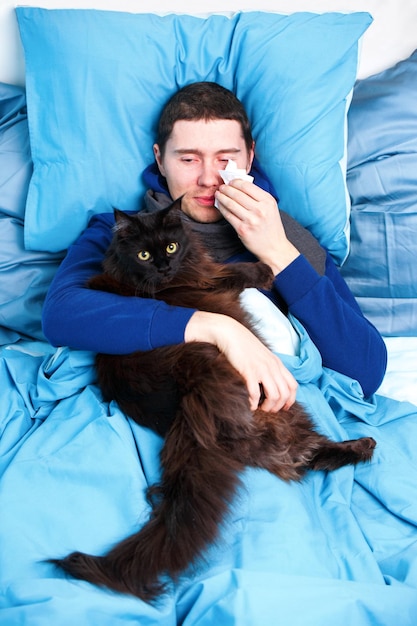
{"x": 193, "y": 396}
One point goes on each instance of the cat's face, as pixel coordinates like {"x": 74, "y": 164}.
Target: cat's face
{"x": 150, "y": 247}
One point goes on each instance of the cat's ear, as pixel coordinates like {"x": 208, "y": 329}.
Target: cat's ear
{"x": 176, "y": 205}
{"x": 174, "y": 212}
{"x": 122, "y": 220}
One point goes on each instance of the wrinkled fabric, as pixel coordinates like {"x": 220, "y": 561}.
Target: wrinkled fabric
{"x": 381, "y": 269}
{"x": 25, "y": 275}
{"x": 338, "y": 548}
{"x": 15, "y": 157}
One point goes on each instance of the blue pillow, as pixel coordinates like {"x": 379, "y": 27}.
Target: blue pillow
{"x": 15, "y": 158}
{"x": 381, "y": 269}
{"x": 97, "y": 80}
{"x": 25, "y": 275}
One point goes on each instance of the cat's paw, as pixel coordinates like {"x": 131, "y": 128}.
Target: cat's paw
{"x": 365, "y": 448}
{"x": 265, "y": 275}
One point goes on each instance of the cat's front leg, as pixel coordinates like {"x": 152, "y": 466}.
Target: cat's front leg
{"x": 243, "y": 275}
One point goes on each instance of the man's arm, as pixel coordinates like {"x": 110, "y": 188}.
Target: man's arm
{"x": 85, "y": 319}
{"x": 347, "y": 341}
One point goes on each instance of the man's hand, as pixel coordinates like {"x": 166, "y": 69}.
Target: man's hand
{"x": 254, "y": 215}
{"x": 249, "y": 356}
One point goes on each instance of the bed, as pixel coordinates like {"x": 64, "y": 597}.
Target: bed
{"x": 80, "y": 89}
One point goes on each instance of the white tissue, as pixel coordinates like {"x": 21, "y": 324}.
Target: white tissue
{"x": 231, "y": 172}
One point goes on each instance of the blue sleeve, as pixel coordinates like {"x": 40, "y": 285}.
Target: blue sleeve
{"x": 347, "y": 341}
{"x": 81, "y": 318}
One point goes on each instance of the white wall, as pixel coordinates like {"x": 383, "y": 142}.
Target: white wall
{"x": 392, "y": 36}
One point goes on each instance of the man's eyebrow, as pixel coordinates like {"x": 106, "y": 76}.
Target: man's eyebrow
{"x": 199, "y": 152}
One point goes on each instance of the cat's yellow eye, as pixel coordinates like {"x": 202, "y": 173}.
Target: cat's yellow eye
{"x": 144, "y": 255}
{"x": 172, "y": 247}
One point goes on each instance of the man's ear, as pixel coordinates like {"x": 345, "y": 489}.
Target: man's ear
{"x": 158, "y": 158}
{"x": 251, "y": 157}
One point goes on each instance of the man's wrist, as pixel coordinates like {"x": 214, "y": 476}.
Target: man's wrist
{"x": 209, "y": 327}
{"x": 283, "y": 259}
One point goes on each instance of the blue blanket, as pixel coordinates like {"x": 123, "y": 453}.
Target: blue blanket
{"x": 338, "y": 548}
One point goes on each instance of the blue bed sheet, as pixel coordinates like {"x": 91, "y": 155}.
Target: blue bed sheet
{"x": 337, "y": 548}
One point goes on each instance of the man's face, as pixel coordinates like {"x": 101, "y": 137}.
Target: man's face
{"x": 194, "y": 153}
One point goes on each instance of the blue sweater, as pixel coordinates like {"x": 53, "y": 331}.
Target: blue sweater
{"x": 81, "y": 318}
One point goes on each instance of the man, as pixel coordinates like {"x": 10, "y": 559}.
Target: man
{"x": 201, "y": 128}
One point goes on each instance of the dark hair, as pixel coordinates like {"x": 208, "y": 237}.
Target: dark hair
{"x": 202, "y": 101}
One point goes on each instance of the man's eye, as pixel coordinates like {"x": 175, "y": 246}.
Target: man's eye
{"x": 172, "y": 247}
{"x": 144, "y": 255}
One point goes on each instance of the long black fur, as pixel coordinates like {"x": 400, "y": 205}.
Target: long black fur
{"x": 191, "y": 395}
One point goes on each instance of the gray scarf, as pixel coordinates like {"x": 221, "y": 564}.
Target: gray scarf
{"x": 222, "y": 241}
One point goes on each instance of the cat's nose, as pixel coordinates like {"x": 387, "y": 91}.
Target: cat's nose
{"x": 165, "y": 269}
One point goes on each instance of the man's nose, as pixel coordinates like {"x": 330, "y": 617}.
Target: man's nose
{"x": 209, "y": 175}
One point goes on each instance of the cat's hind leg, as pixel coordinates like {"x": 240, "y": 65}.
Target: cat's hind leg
{"x": 332, "y": 455}
{"x": 287, "y": 444}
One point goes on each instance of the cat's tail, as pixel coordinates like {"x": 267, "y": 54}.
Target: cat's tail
{"x": 134, "y": 565}
{"x": 189, "y": 505}
{"x": 200, "y": 476}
